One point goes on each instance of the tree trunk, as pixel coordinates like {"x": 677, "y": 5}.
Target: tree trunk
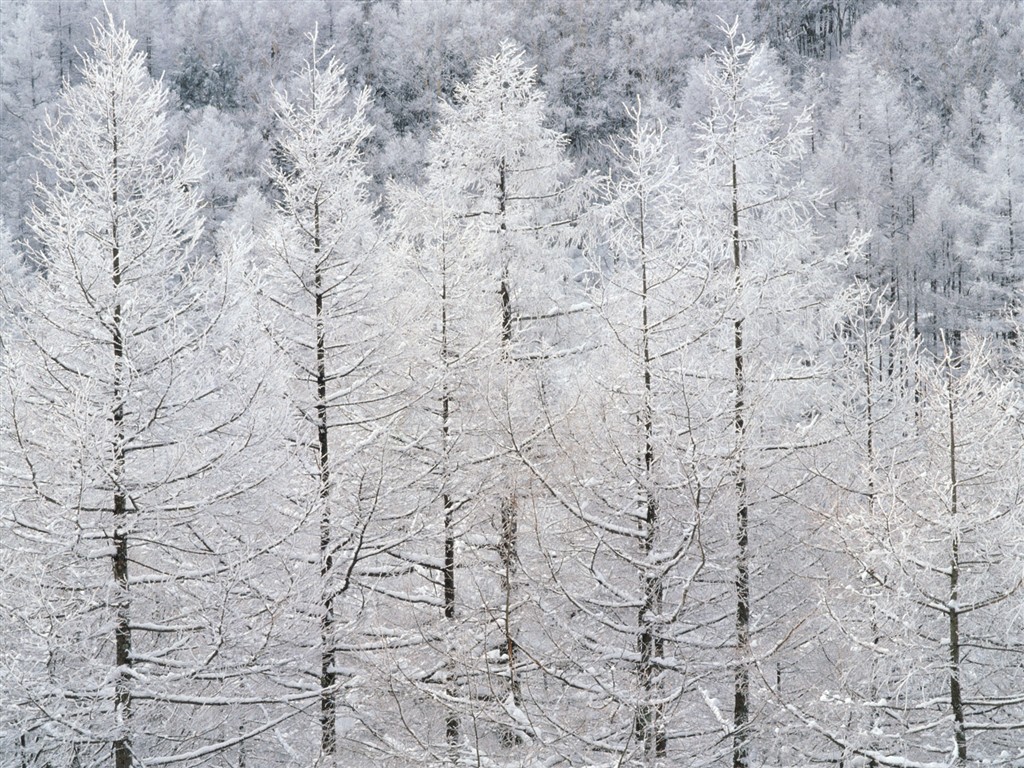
{"x": 451, "y": 722}
{"x": 328, "y": 676}
{"x": 741, "y": 683}
{"x": 648, "y": 726}
{"x": 122, "y": 628}
{"x": 955, "y": 694}
{"x": 509, "y": 506}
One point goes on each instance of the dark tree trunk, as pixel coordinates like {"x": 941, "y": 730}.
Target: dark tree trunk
{"x": 741, "y": 683}
{"x": 451, "y": 723}
{"x": 328, "y": 676}
{"x": 508, "y": 507}
{"x": 955, "y": 693}
{"x": 122, "y": 629}
{"x": 650, "y": 646}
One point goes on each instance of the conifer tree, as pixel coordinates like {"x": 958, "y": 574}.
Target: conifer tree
{"x": 630, "y": 476}
{"x": 773, "y": 292}
{"x": 508, "y": 173}
{"x": 322, "y": 304}
{"x": 481, "y": 241}
{"x": 137, "y": 450}
{"x": 999, "y": 263}
{"x": 930, "y": 529}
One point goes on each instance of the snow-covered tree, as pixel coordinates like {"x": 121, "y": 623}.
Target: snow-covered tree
{"x": 322, "y": 304}
{"x": 999, "y": 262}
{"x": 871, "y": 416}
{"x": 481, "y": 245}
{"x": 930, "y": 524}
{"x": 944, "y": 240}
{"x": 494, "y": 477}
{"x": 448, "y": 319}
{"x": 139, "y": 442}
{"x": 509, "y": 172}
{"x": 28, "y": 82}
{"x": 628, "y": 474}
{"x": 773, "y": 291}
{"x": 872, "y": 165}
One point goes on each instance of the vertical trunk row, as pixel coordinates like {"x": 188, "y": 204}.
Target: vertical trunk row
{"x": 122, "y": 628}
{"x": 741, "y": 683}
{"x": 328, "y": 705}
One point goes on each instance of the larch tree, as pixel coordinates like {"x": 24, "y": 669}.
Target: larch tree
{"x": 872, "y": 418}
{"x": 481, "y": 246}
{"x": 872, "y": 163}
{"x": 27, "y": 83}
{"x": 321, "y": 302}
{"x": 927, "y": 626}
{"x": 628, "y": 473}
{"x": 448, "y": 318}
{"x": 139, "y": 443}
{"x": 773, "y": 292}
{"x": 965, "y": 238}
{"x": 968, "y": 579}
{"x": 646, "y": 192}
{"x": 944, "y": 239}
{"x": 999, "y": 261}
{"x": 508, "y": 175}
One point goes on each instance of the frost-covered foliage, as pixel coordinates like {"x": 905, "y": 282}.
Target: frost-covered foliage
{"x": 137, "y": 428}
{"x": 533, "y": 383}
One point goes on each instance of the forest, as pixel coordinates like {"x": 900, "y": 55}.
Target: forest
{"x": 512, "y": 383}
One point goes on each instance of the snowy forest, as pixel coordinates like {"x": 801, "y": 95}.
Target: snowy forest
{"x": 512, "y": 383}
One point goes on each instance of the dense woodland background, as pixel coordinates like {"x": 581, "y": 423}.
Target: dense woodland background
{"x": 523, "y": 383}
